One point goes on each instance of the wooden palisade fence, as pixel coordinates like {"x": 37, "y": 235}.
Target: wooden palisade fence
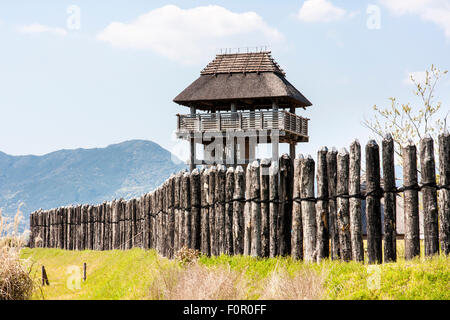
{"x": 273, "y": 209}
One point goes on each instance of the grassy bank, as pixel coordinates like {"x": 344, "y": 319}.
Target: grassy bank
{"x": 140, "y": 274}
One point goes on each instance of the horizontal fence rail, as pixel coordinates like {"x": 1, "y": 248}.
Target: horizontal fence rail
{"x": 256, "y": 120}
{"x": 311, "y": 211}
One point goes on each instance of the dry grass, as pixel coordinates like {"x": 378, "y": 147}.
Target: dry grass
{"x": 197, "y": 282}
{"x": 304, "y": 285}
{"x": 15, "y": 280}
{"x": 191, "y": 280}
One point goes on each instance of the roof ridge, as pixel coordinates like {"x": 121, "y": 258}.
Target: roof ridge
{"x": 243, "y": 63}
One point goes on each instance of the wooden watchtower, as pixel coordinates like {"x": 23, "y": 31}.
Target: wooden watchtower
{"x": 240, "y": 100}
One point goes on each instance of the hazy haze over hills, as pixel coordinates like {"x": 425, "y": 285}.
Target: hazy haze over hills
{"x": 67, "y": 177}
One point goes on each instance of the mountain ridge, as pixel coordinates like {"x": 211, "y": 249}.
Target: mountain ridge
{"x": 73, "y": 176}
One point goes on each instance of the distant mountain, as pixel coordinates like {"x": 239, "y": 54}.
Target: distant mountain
{"x": 67, "y": 177}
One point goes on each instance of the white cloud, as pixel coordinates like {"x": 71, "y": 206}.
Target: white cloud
{"x": 321, "y": 11}
{"x": 39, "y": 28}
{"x": 418, "y": 76}
{"x": 189, "y": 35}
{"x": 436, "y": 11}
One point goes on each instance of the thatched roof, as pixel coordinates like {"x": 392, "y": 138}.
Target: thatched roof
{"x": 251, "y": 80}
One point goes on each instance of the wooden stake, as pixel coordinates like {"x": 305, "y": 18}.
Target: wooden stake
{"x": 205, "y": 242}
{"x": 308, "y": 209}
{"x": 229, "y": 190}
{"x": 429, "y": 194}
{"x": 297, "y": 227}
{"x": 220, "y": 209}
{"x": 444, "y": 194}
{"x": 212, "y": 216}
{"x": 332, "y": 182}
{"x": 285, "y": 209}
{"x": 355, "y": 203}
{"x": 390, "y": 211}
{"x": 322, "y": 215}
{"x": 195, "y": 209}
{"x": 238, "y": 211}
{"x": 247, "y": 213}
{"x": 274, "y": 209}
{"x": 343, "y": 205}
{"x": 44, "y": 277}
{"x": 373, "y": 208}
{"x": 265, "y": 207}
{"x": 255, "y": 192}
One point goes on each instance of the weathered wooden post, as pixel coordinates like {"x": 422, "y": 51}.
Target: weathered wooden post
{"x": 31, "y": 238}
{"x": 297, "y": 226}
{"x": 187, "y": 209}
{"x": 355, "y": 202}
{"x": 238, "y": 211}
{"x": 50, "y": 228}
{"x": 444, "y": 192}
{"x": 390, "y": 211}
{"x": 196, "y": 206}
{"x": 285, "y": 209}
{"x": 176, "y": 203}
{"x": 343, "y": 205}
{"x": 115, "y": 225}
{"x": 373, "y": 208}
{"x": 153, "y": 223}
{"x": 62, "y": 220}
{"x": 122, "y": 223}
{"x": 247, "y": 213}
{"x": 322, "y": 214}
{"x": 429, "y": 194}
{"x": 95, "y": 215}
{"x": 70, "y": 213}
{"x": 255, "y": 193}
{"x": 84, "y": 217}
{"x": 171, "y": 216}
{"x": 265, "y": 207}
{"x": 134, "y": 226}
{"x": 90, "y": 235}
{"x": 212, "y": 216}
{"x": 149, "y": 220}
{"x": 101, "y": 226}
{"x": 204, "y": 186}
{"x": 161, "y": 220}
{"x": 129, "y": 224}
{"x": 44, "y": 229}
{"x": 138, "y": 232}
{"x": 229, "y": 190}
{"x": 84, "y": 271}
{"x": 44, "y": 277}
{"x": 332, "y": 182}
{"x": 49, "y": 235}
{"x": 220, "y": 208}
{"x": 98, "y": 226}
{"x": 164, "y": 217}
{"x": 58, "y": 243}
{"x": 308, "y": 209}
{"x": 274, "y": 207}
{"x": 107, "y": 235}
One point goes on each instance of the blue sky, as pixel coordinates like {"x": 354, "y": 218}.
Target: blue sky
{"x": 112, "y": 77}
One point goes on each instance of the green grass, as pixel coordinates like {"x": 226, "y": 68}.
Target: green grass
{"x": 110, "y": 274}
{"x": 129, "y": 275}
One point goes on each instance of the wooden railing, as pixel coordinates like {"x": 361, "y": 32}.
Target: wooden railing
{"x": 253, "y": 120}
